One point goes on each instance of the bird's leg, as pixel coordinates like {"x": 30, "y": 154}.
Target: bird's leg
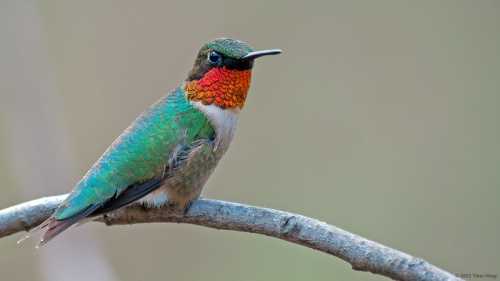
{"x": 188, "y": 206}
{"x": 179, "y": 208}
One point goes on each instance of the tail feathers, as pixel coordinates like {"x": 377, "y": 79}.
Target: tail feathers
{"x": 33, "y": 231}
{"x": 52, "y": 226}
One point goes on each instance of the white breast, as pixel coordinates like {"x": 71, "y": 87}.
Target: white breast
{"x": 224, "y": 122}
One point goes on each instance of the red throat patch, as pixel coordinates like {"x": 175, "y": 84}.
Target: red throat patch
{"x": 226, "y": 88}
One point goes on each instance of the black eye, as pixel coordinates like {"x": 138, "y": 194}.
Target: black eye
{"x": 214, "y": 57}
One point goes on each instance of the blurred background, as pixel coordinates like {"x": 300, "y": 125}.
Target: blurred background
{"x": 381, "y": 117}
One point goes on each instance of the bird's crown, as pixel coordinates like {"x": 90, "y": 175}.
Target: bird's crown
{"x": 229, "y": 47}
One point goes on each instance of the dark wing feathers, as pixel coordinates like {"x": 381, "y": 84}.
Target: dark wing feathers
{"x": 129, "y": 195}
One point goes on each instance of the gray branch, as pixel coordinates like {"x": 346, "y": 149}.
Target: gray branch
{"x": 361, "y": 253}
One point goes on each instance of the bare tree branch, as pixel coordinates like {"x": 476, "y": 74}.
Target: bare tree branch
{"x": 361, "y": 253}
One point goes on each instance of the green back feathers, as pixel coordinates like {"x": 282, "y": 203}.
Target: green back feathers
{"x": 141, "y": 153}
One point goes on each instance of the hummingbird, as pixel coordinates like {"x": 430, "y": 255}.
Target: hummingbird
{"x": 168, "y": 153}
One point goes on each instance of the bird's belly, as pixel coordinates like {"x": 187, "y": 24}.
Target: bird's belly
{"x": 186, "y": 182}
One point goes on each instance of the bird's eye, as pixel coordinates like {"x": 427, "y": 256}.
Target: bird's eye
{"x": 214, "y": 57}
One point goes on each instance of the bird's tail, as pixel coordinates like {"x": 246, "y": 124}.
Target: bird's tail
{"x": 53, "y": 228}
{"x": 50, "y": 228}
{"x": 32, "y": 232}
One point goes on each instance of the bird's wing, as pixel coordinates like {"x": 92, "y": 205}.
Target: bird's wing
{"x": 136, "y": 163}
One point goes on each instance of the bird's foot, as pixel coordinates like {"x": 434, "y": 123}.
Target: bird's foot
{"x": 180, "y": 209}
{"x": 187, "y": 207}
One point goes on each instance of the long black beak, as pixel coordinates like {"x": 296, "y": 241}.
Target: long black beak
{"x": 256, "y": 54}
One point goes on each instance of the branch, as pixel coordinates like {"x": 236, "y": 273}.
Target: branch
{"x": 362, "y": 254}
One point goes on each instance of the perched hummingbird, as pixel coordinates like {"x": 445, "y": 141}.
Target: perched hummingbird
{"x": 170, "y": 150}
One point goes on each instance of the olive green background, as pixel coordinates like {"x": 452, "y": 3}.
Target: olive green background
{"x": 380, "y": 117}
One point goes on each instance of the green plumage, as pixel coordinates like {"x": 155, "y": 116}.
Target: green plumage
{"x": 141, "y": 153}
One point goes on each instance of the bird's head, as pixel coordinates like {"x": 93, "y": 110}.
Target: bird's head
{"x": 222, "y": 71}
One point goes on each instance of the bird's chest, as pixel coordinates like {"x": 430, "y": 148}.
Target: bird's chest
{"x": 187, "y": 181}
{"x": 204, "y": 156}
{"x": 224, "y": 122}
